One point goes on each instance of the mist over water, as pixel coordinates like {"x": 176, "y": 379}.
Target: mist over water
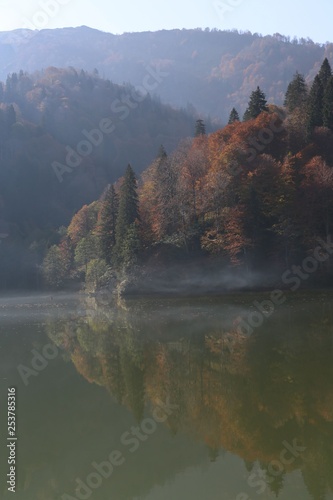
{"x": 204, "y": 278}
{"x": 21, "y": 307}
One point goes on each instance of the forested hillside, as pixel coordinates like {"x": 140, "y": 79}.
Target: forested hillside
{"x": 209, "y": 69}
{"x": 64, "y": 135}
{"x": 256, "y": 194}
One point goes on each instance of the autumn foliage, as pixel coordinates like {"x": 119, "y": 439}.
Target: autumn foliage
{"x": 256, "y": 193}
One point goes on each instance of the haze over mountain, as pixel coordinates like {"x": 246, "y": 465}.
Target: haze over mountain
{"x": 67, "y": 131}
{"x": 212, "y": 70}
{"x": 45, "y": 119}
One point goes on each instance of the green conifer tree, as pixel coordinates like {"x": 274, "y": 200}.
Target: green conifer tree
{"x": 128, "y": 213}
{"x": 131, "y": 246}
{"x": 325, "y": 73}
{"x": 162, "y": 154}
{"x": 257, "y": 104}
{"x": 107, "y": 222}
{"x": 233, "y": 117}
{"x": 297, "y": 93}
{"x": 54, "y": 272}
{"x": 10, "y": 117}
{"x": 200, "y": 128}
{"x": 315, "y": 105}
{"x": 328, "y": 105}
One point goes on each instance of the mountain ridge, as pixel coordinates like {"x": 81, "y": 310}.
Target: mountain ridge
{"x": 210, "y": 70}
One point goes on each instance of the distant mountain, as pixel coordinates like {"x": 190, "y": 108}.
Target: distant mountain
{"x": 212, "y": 70}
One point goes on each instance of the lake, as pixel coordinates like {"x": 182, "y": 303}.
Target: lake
{"x": 161, "y": 399}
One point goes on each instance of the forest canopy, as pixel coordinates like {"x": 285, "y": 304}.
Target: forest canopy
{"x": 256, "y": 193}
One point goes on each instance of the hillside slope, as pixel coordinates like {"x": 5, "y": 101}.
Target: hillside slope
{"x": 212, "y": 70}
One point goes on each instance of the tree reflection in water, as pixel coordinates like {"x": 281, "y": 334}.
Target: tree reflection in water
{"x": 245, "y": 395}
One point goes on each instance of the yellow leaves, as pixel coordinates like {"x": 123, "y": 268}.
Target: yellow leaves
{"x": 318, "y": 172}
{"x": 83, "y": 222}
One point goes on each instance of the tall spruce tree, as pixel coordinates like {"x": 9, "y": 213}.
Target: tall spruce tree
{"x": 325, "y": 73}
{"x": 233, "y": 117}
{"x": 315, "y": 104}
{"x": 161, "y": 152}
{"x": 10, "y": 117}
{"x": 200, "y": 128}
{"x": 257, "y": 104}
{"x": 128, "y": 212}
{"x": 328, "y": 105}
{"x": 297, "y": 93}
{"x": 131, "y": 246}
{"x": 107, "y": 221}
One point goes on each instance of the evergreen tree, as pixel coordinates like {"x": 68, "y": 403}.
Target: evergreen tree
{"x": 165, "y": 192}
{"x": 67, "y": 254}
{"x": 325, "y": 73}
{"x": 297, "y": 93}
{"x": 257, "y": 104}
{"x": 131, "y": 246}
{"x": 328, "y": 105}
{"x": 107, "y": 221}
{"x": 200, "y": 128}
{"x": 233, "y": 117}
{"x": 8, "y": 89}
{"x": 128, "y": 211}
{"x": 315, "y": 104}
{"x": 10, "y": 117}
{"x": 54, "y": 271}
{"x": 162, "y": 154}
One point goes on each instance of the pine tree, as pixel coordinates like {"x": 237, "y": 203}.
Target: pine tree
{"x": 325, "y": 73}
{"x": 328, "y": 105}
{"x": 128, "y": 212}
{"x": 10, "y": 117}
{"x": 165, "y": 191}
{"x": 233, "y": 117}
{"x": 297, "y": 93}
{"x": 162, "y": 153}
{"x": 257, "y": 104}
{"x": 315, "y": 104}
{"x": 54, "y": 271}
{"x": 107, "y": 221}
{"x": 200, "y": 128}
{"x": 67, "y": 254}
{"x": 131, "y": 246}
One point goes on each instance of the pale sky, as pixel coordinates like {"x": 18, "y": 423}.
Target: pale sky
{"x": 303, "y": 18}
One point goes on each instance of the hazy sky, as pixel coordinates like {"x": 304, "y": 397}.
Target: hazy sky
{"x": 303, "y": 18}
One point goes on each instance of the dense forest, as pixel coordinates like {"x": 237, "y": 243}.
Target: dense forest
{"x": 64, "y": 135}
{"x": 207, "y": 69}
{"x": 254, "y": 195}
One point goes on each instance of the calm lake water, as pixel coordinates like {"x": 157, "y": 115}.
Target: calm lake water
{"x": 169, "y": 399}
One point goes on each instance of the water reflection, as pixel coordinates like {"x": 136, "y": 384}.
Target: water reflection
{"x": 244, "y": 401}
{"x": 244, "y": 395}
